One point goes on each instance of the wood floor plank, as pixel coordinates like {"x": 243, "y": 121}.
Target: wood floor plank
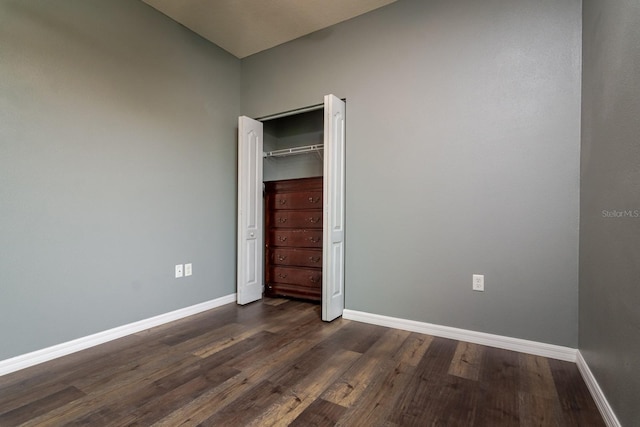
{"x": 538, "y": 401}
{"x": 218, "y": 398}
{"x": 66, "y": 370}
{"x": 275, "y": 301}
{"x": 382, "y": 393}
{"x": 282, "y": 390}
{"x": 241, "y": 411}
{"x": 454, "y": 404}
{"x": 55, "y": 371}
{"x": 575, "y": 400}
{"x": 433, "y": 365}
{"x": 435, "y": 397}
{"x": 22, "y": 395}
{"x": 175, "y": 332}
{"x": 319, "y": 414}
{"x": 307, "y": 334}
{"x": 356, "y": 337}
{"x": 499, "y": 383}
{"x": 305, "y": 365}
{"x": 467, "y": 361}
{"x": 274, "y": 362}
{"x": 41, "y": 406}
{"x": 413, "y": 349}
{"x": 301, "y": 315}
{"x": 536, "y": 377}
{"x": 304, "y": 327}
{"x": 151, "y": 411}
{"x": 350, "y": 387}
{"x": 376, "y": 402}
{"x": 147, "y": 369}
{"x": 355, "y": 381}
{"x": 114, "y": 392}
{"x": 298, "y": 397}
{"x": 536, "y": 410}
{"x": 136, "y": 381}
{"x": 224, "y": 342}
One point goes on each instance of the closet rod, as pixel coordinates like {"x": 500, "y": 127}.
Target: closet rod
{"x": 295, "y": 150}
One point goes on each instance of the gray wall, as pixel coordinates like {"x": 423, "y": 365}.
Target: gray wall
{"x": 117, "y": 161}
{"x": 463, "y": 135}
{"x": 610, "y": 182}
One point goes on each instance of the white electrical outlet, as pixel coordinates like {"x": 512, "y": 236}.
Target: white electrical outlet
{"x": 188, "y": 271}
{"x": 178, "y": 270}
{"x": 478, "y": 282}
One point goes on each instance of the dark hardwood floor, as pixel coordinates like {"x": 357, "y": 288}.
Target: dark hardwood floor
{"x": 276, "y": 363}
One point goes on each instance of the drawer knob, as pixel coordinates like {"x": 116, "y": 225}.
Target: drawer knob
{"x": 314, "y": 199}
{"x": 282, "y": 238}
{"x": 314, "y": 239}
{"x": 314, "y": 279}
{"x": 282, "y": 257}
{"x": 282, "y": 276}
{"x": 313, "y": 220}
{"x": 282, "y": 201}
{"x": 282, "y": 220}
{"x": 314, "y": 258}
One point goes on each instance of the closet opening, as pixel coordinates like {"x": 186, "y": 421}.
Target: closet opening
{"x": 291, "y": 180}
{"x": 293, "y": 205}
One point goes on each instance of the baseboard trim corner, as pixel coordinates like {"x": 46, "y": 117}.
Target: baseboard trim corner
{"x": 23, "y": 361}
{"x": 602, "y": 403}
{"x": 507, "y": 343}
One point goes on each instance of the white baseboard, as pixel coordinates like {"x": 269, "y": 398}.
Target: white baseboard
{"x": 605, "y": 409}
{"x": 491, "y": 340}
{"x": 25, "y": 360}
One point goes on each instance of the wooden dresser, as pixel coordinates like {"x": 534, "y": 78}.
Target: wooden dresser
{"x": 293, "y": 240}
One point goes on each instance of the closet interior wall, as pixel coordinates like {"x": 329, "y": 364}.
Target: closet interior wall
{"x": 293, "y": 131}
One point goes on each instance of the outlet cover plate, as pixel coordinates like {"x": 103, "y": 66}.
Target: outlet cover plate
{"x": 188, "y": 270}
{"x": 478, "y": 282}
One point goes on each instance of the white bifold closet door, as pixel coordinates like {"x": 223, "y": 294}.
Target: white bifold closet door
{"x": 333, "y": 205}
{"x": 250, "y": 210}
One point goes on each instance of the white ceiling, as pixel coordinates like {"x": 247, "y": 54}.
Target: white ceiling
{"x": 245, "y": 27}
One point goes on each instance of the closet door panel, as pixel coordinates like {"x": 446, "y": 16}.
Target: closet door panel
{"x": 250, "y": 277}
{"x": 334, "y": 209}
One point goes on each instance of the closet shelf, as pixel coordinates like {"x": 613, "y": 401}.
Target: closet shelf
{"x": 315, "y": 148}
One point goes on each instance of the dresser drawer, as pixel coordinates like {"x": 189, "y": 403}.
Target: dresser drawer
{"x": 283, "y": 289}
{"x": 296, "y": 219}
{"x": 295, "y": 238}
{"x": 306, "y": 277}
{"x": 295, "y": 257}
{"x": 298, "y": 184}
{"x": 295, "y": 200}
